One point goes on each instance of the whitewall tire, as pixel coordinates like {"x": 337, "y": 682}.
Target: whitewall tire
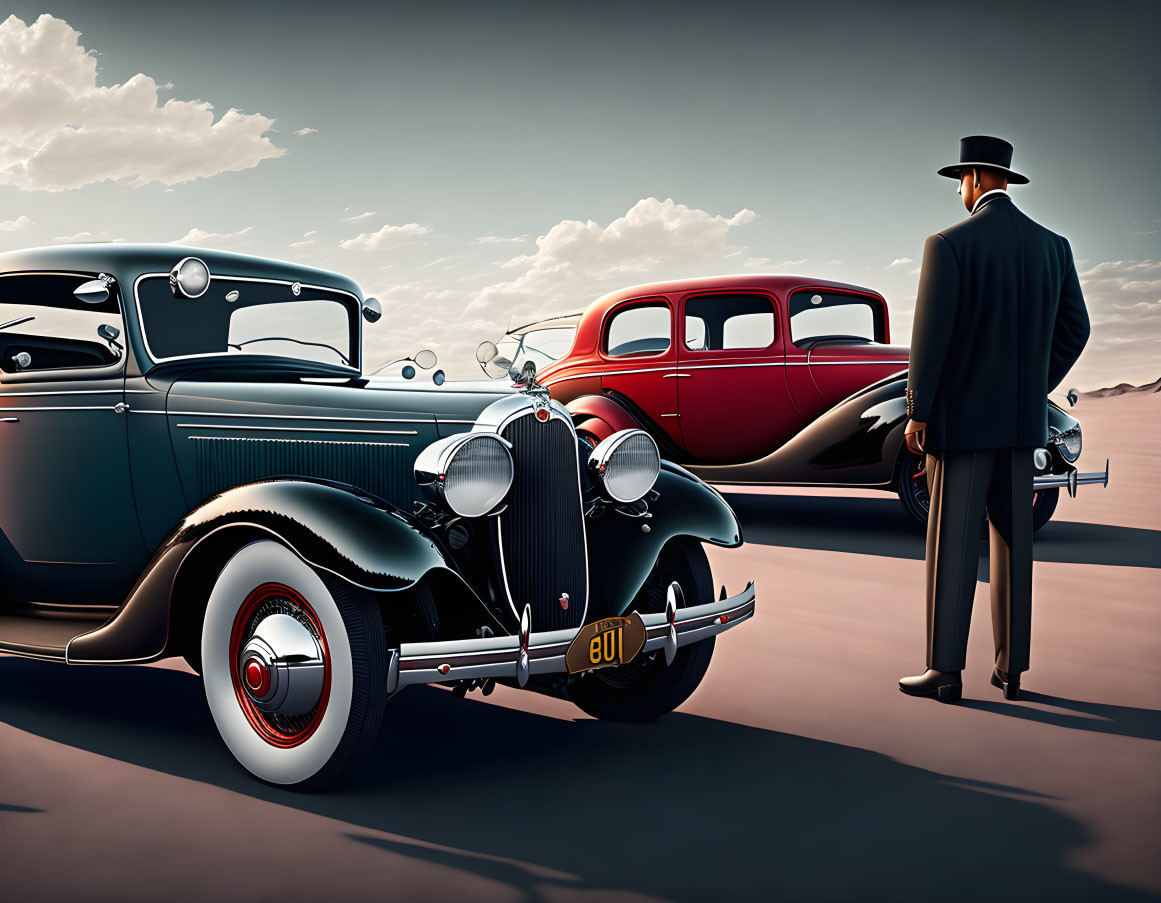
{"x": 294, "y": 667}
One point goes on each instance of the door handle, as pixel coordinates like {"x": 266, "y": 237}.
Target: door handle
{"x": 675, "y": 375}
{"x": 9, "y": 419}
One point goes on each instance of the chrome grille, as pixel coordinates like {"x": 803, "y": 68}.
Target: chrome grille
{"x": 541, "y": 533}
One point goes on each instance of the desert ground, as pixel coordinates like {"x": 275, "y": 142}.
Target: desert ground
{"x": 797, "y": 771}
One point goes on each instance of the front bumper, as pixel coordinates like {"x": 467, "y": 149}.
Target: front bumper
{"x": 1071, "y": 479}
{"x": 499, "y": 657}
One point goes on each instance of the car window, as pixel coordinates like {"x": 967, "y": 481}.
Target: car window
{"x": 821, "y": 315}
{"x": 241, "y": 316}
{"x": 728, "y": 322}
{"x": 44, "y": 326}
{"x": 641, "y": 329}
{"x": 311, "y": 329}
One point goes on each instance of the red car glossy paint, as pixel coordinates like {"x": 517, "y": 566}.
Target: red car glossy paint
{"x": 725, "y": 404}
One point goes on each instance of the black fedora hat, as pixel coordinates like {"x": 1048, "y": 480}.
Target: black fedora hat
{"x": 984, "y": 152}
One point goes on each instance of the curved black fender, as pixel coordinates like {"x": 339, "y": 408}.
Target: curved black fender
{"x": 623, "y": 549}
{"x": 354, "y": 536}
{"x": 856, "y": 443}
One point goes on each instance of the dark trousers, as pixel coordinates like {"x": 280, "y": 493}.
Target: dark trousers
{"x": 963, "y": 486}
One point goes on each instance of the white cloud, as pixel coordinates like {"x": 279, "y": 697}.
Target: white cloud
{"x": 219, "y": 240}
{"x": 15, "y": 225}
{"x": 1124, "y": 305}
{"x": 574, "y": 261}
{"x": 308, "y": 239}
{"x": 85, "y": 236}
{"x": 899, "y": 262}
{"x": 386, "y": 238}
{"x": 302, "y": 132}
{"x": 358, "y": 216}
{"x": 490, "y": 239}
{"x": 62, "y": 130}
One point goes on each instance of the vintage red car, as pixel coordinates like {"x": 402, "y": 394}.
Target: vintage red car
{"x": 757, "y": 379}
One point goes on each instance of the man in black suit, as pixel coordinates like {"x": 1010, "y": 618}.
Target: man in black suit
{"x": 999, "y": 321}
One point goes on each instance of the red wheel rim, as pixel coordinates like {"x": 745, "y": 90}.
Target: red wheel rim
{"x": 267, "y": 726}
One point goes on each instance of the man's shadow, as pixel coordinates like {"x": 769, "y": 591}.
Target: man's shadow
{"x": 686, "y": 808}
{"x": 881, "y": 527}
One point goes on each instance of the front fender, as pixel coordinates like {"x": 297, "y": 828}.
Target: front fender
{"x": 621, "y": 553}
{"x": 600, "y": 415}
{"x": 353, "y": 536}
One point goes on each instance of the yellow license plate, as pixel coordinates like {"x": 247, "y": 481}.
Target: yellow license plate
{"x": 606, "y": 643}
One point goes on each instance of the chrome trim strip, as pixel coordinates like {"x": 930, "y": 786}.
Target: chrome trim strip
{"x": 295, "y": 429}
{"x": 314, "y": 441}
{"x": 358, "y": 350}
{"x": 420, "y": 663}
{"x": 682, "y": 367}
{"x": 288, "y": 417}
{"x": 83, "y": 392}
{"x": 92, "y": 407}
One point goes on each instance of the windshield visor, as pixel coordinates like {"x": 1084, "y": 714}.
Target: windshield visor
{"x": 250, "y": 317}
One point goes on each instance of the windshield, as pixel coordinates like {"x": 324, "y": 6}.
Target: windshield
{"x": 238, "y": 316}
{"x": 541, "y": 346}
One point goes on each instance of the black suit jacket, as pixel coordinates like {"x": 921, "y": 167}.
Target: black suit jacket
{"x": 999, "y": 321}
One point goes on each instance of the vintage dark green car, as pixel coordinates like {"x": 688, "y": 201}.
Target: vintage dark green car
{"x": 194, "y": 465}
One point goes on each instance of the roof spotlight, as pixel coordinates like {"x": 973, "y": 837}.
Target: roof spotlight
{"x": 190, "y": 278}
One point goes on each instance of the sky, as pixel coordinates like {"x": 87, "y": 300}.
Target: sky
{"x": 476, "y": 164}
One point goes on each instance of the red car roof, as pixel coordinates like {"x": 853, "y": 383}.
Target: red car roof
{"x": 780, "y": 284}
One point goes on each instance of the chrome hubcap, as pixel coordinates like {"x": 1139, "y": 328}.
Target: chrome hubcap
{"x": 282, "y": 666}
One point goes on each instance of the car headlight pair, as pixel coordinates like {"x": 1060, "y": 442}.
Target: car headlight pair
{"x": 471, "y": 473}
{"x": 1069, "y": 444}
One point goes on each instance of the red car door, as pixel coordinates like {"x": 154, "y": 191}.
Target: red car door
{"x": 839, "y": 345}
{"x": 637, "y": 349}
{"x": 732, "y": 394}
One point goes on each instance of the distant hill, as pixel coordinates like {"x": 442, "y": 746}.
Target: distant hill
{"x": 1123, "y": 389}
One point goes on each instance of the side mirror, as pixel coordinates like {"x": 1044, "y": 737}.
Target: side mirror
{"x": 438, "y": 377}
{"x": 425, "y": 359}
{"x": 95, "y": 291}
{"x": 409, "y": 372}
{"x": 1073, "y": 397}
{"x": 110, "y": 334}
{"x": 372, "y": 310}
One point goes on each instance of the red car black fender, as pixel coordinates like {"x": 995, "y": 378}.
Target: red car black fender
{"x": 600, "y": 416}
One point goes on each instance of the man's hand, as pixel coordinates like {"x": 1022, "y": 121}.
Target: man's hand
{"x": 915, "y": 434}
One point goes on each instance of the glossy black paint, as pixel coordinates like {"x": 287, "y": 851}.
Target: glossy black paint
{"x": 334, "y": 528}
{"x": 101, "y": 463}
{"x": 856, "y": 444}
{"x": 683, "y": 506}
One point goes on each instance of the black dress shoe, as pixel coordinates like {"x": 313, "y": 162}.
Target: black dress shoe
{"x": 1009, "y": 683}
{"x": 945, "y": 686}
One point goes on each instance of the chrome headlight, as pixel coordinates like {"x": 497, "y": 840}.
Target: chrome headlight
{"x": 1069, "y": 444}
{"x": 626, "y": 465}
{"x": 470, "y": 473}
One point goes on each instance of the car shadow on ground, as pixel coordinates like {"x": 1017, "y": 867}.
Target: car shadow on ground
{"x": 686, "y": 808}
{"x": 881, "y": 527}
